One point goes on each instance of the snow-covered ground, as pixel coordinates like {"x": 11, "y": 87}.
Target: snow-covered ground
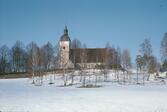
{"x": 19, "y": 95}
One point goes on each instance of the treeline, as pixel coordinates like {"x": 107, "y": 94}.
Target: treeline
{"x": 28, "y": 58}
{"x": 32, "y": 58}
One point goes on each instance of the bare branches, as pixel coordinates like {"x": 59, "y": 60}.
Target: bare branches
{"x": 4, "y": 59}
{"x": 164, "y": 47}
{"x": 126, "y": 62}
{"x": 18, "y": 55}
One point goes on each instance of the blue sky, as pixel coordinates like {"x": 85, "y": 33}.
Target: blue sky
{"x": 95, "y": 22}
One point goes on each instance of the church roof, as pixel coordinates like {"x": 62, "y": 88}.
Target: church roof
{"x": 65, "y": 36}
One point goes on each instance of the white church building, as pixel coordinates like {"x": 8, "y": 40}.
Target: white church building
{"x": 72, "y": 58}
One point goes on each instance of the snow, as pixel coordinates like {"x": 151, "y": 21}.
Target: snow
{"x": 19, "y": 95}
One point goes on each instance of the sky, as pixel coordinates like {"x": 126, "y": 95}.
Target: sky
{"x": 124, "y": 23}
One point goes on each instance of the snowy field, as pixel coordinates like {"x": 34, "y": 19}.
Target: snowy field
{"x": 19, "y": 95}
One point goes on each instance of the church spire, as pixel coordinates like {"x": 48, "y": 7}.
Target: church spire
{"x": 66, "y": 30}
{"x": 65, "y": 36}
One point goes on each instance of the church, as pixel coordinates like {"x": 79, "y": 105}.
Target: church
{"x": 79, "y": 57}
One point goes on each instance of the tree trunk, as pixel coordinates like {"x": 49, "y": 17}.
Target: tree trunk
{"x": 148, "y": 77}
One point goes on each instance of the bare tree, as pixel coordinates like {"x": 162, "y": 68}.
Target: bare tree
{"x": 33, "y": 60}
{"x": 153, "y": 66}
{"x": 55, "y": 60}
{"x": 47, "y": 51}
{"x": 4, "y": 59}
{"x": 56, "y": 56}
{"x": 164, "y": 51}
{"x": 47, "y": 55}
{"x": 113, "y": 61}
{"x": 76, "y": 43}
{"x": 140, "y": 65}
{"x": 146, "y": 51}
{"x": 117, "y": 56}
{"x": 164, "y": 65}
{"x": 126, "y": 62}
{"x": 108, "y": 61}
{"x": 83, "y": 56}
{"x": 18, "y": 55}
{"x": 164, "y": 46}
{"x": 95, "y": 73}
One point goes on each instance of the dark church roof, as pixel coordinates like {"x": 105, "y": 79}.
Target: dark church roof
{"x": 65, "y": 36}
{"x": 88, "y": 55}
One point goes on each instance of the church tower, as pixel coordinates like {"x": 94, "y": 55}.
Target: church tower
{"x": 64, "y": 49}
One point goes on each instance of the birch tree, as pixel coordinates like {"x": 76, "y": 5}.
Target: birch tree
{"x": 146, "y": 51}
{"x": 126, "y": 62}
{"x": 140, "y": 65}
{"x": 164, "y": 51}
{"x": 33, "y": 59}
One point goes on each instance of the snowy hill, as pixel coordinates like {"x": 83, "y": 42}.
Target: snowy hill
{"x": 19, "y": 95}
